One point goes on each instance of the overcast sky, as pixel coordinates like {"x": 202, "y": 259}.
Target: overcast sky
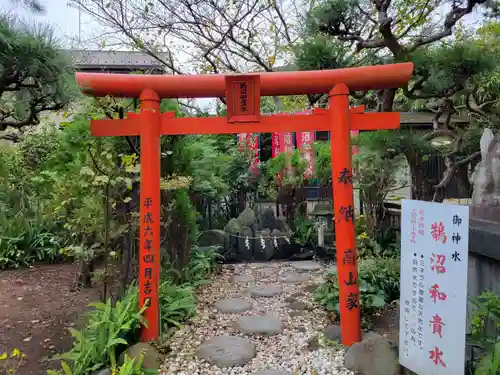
{"x": 66, "y": 19}
{"x": 63, "y": 18}
{"x": 70, "y": 25}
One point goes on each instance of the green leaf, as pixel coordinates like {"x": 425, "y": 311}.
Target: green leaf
{"x": 66, "y": 368}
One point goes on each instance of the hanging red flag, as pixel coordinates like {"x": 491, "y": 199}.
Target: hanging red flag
{"x": 275, "y": 144}
{"x": 252, "y": 144}
{"x": 305, "y": 142}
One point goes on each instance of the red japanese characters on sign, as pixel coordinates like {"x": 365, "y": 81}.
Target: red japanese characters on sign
{"x": 436, "y": 356}
{"x": 421, "y": 222}
{"x": 436, "y": 295}
{"x": 438, "y": 232}
{"x": 243, "y": 98}
{"x": 437, "y": 325}
{"x": 437, "y": 263}
{"x": 413, "y": 226}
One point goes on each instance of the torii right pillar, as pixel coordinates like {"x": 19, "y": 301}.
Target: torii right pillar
{"x": 343, "y": 204}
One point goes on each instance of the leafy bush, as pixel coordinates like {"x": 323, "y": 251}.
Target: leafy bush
{"x": 177, "y": 304}
{"x": 105, "y": 335}
{"x": 111, "y": 328}
{"x": 378, "y": 284}
{"x": 484, "y": 335}
{"x": 201, "y": 265}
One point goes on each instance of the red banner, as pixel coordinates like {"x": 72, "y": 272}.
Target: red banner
{"x": 286, "y": 142}
{"x": 252, "y": 143}
{"x": 275, "y": 144}
{"x": 305, "y": 142}
{"x": 355, "y": 149}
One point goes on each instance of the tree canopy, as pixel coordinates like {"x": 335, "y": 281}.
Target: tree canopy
{"x": 35, "y": 76}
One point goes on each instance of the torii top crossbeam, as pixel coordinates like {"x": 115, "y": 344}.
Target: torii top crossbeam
{"x": 275, "y": 83}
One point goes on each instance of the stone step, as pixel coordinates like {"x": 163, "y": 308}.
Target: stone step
{"x": 307, "y": 266}
{"x": 259, "y": 325}
{"x": 265, "y": 291}
{"x": 232, "y": 305}
{"x": 227, "y": 351}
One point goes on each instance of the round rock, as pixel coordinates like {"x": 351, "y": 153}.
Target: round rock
{"x": 259, "y": 325}
{"x": 293, "y": 277}
{"x": 266, "y": 272}
{"x": 271, "y": 372}
{"x": 232, "y": 305}
{"x": 242, "y": 278}
{"x": 307, "y": 266}
{"x": 227, "y": 351}
{"x": 265, "y": 291}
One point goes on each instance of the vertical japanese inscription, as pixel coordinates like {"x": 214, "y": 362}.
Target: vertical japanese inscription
{"x": 436, "y": 294}
{"x": 243, "y": 99}
{"x": 148, "y": 256}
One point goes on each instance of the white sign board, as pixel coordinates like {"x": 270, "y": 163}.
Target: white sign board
{"x": 433, "y": 302}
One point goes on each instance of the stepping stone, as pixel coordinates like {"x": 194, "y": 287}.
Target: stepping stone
{"x": 265, "y": 291}
{"x": 242, "y": 278}
{"x": 311, "y": 288}
{"x": 266, "y": 272}
{"x": 227, "y": 351}
{"x": 271, "y": 372}
{"x": 298, "y": 305}
{"x": 307, "y": 266}
{"x": 232, "y": 305}
{"x": 293, "y": 277}
{"x": 259, "y": 325}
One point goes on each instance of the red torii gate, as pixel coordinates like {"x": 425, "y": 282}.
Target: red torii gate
{"x": 243, "y": 94}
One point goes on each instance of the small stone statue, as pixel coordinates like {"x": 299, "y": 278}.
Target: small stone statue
{"x": 486, "y": 179}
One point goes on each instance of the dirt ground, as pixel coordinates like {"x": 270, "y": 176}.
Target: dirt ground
{"x": 37, "y": 306}
{"x": 387, "y": 323}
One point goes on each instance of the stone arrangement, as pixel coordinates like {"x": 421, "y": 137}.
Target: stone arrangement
{"x": 259, "y": 237}
{"x": 258, "y": 319}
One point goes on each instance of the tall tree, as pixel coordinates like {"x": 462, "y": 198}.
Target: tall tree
{"x": 343, "y": 33}
{"x": 33, "y": 5}
{"x": 392, "y": 30}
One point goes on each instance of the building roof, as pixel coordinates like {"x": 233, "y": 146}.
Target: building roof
{"x": 86, "y": 60}
{"x": 424, "y": 118}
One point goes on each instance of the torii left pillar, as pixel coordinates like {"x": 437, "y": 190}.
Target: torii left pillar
{"x": 149, "y": 263}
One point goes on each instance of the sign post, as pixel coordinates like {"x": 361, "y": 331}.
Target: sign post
{"x": 433, "y": 302}
{"x": 243, "y": 94}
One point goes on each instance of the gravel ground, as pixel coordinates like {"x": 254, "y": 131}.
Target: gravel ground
{"x": 291, "y": 352}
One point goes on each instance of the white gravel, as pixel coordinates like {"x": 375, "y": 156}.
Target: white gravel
{"x": 287, "y": 351}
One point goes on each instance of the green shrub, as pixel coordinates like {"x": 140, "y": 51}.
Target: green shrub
{"x": 378, "y": 284}
{"x": 201, "y": 265}
{"x": 484, "y": 336}
{"x": 104, "y": 337}
{"x": 177, "y": 304}
{"x": 111, "y": 328}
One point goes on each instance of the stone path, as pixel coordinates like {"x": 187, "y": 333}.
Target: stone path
{"x": 258, "y": 319}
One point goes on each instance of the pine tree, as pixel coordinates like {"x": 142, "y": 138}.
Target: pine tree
{"x": 35, "y": 75}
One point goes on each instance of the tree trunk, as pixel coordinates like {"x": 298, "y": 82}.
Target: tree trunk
{"x": 463, "y": 184}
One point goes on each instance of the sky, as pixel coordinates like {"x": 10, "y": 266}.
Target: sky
{"x": 71, "y": 25}
{"x": 63, "y": 18}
